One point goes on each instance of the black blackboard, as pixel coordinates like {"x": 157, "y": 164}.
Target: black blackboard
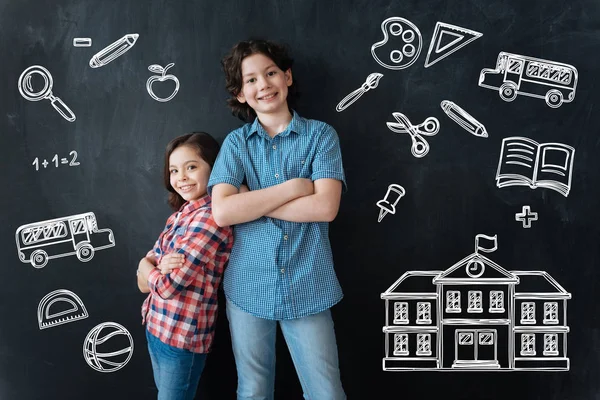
{"x": 120, "y": 131}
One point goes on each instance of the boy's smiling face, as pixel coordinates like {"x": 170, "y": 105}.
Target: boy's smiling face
{"x": 264, "y": 85}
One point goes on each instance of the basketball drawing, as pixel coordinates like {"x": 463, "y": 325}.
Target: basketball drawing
{"x": 108, "y": 347}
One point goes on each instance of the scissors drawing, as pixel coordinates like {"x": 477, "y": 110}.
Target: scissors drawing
{"x": 429, "y": 127}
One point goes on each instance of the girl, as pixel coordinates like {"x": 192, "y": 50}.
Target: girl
{"x": 183, "y": 271}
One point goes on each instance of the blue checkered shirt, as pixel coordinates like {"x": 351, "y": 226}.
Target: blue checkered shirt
{"x": 280, "y": 269}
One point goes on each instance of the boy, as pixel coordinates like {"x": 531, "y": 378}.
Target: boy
{"x": 281, "y": 266}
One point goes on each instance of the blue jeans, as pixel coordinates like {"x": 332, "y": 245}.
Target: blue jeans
{"x": 311, "y": 341}
{"x": 176, "y": 371}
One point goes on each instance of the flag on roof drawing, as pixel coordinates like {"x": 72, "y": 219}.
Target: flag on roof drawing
{"x": 490, "y": 241}
{"x": 446, "y": 40}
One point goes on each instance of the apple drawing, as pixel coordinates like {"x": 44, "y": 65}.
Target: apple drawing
{"x": 157, "y": 69}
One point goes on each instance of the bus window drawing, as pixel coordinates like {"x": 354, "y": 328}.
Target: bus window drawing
{"x": 516, "y": 74}
{"x": 77, "y": 235}
{"x": 402, "y": 51}
{"x": 476, "y": 316}
{"x": 370, "y": 83}
{"x": 526, "y": 216}
{"x": 108, "y": 347}
{"x": 525, "y": 162}
{"x": 161, "y": 77}
{"x": 446, "y": 40}
{"x": 429, "y": 127}
{"x": 60, "y": 307}
{"x": 32, "y": 94}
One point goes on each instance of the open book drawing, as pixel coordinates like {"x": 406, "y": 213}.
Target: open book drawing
{"x": 525, "y": 162}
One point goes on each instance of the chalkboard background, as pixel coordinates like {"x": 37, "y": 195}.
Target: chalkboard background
{"x": 451, "y": 195}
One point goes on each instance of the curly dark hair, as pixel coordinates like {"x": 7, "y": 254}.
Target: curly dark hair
{"x": 207, "y": 148}
{"x": 232, "y": 66}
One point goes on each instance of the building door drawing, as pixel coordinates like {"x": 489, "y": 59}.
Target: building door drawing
{"x": 475, "y": 348}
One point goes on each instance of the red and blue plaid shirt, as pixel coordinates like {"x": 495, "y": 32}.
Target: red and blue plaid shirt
{"x": 181, "y": 308}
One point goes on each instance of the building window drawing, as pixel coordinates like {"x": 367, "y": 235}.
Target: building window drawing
{"x": 551, "y": 312}
{"x": 495, "y": 329}
{"x": 496, "y": 301}
{"x": 400, "y": 312}
{"x": 550, "y": 344}
{"x": 400, "y": 344}
{"x": 528, "y": 313}
{"x": 453, "y": 301}
{"x": 486, "y": 339}
{"x": 423, "y": 344}
{"x": 423, "y": 313}
{"x": 475, "y": 301}
{"x": 465, "y": 338}
{"x": 528, "y": 344}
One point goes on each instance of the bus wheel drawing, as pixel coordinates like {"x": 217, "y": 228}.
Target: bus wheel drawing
{"x": 508, "y": 91}
{"x": 554, "y": 98}
{"x": 85, "y": 252}
{"x": 39, "y": 259}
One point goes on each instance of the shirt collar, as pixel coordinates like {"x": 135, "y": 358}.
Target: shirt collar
{"x": 193, "y": 205}
{"x": 296, "y": 125}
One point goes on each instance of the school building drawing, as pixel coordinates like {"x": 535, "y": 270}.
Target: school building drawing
{"x": 476, "y": 316}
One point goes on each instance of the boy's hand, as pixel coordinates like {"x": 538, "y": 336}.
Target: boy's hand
{"x": 169, "y": 262}
{"x": 302, "y": 186}
{"x": 244, "y": 189}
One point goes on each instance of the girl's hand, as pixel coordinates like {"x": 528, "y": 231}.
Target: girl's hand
{"x": 169, "y": 262}
{"x": 244, "y": 189}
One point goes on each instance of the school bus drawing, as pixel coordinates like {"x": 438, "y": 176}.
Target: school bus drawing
{"x": 516, "y": 74}
{"x": 76, "y": 235}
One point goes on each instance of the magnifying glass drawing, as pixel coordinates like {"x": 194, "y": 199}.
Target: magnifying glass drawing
{"x": 27, "y": 91}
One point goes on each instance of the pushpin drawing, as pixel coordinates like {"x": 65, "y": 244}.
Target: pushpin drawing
{"x": 370, "y": 83}
{"x": 388, "y": 203}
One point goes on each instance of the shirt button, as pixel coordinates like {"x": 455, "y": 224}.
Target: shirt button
{"x": 276, "y": 175}
{"x": 282, "y": 270}
{"x": 285, "y": 237}
{"x": 274, "y": 147}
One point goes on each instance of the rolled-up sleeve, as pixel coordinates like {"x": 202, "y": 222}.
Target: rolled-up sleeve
{"x": 228, "y": 167}
{"x": 328, "y": 157}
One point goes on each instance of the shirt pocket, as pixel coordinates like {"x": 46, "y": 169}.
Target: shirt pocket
{"x": 298, "y": 166}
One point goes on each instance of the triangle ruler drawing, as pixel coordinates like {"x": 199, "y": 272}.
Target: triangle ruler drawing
{"x": 446, "y": 40}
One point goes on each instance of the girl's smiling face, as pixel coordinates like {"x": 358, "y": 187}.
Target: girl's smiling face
{"x": 265, "y": 85}
{"x": 189, "y": 173}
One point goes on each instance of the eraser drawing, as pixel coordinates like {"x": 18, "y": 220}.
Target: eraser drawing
{"x": 82, "y": 42}
{"x": 404, "y": 47}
